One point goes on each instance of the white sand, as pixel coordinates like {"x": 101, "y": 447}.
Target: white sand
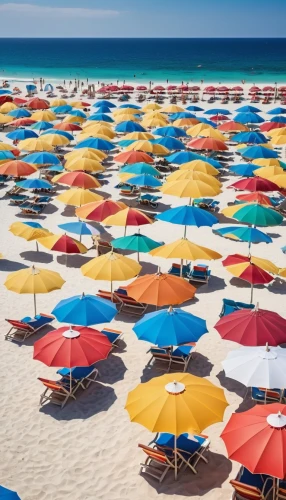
{"x": 89, "y": 450}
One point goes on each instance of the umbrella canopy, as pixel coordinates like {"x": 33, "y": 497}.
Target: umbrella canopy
{"x": 42, "y": 158}
{"x": 78, "y": 197}
{"x": 254, "y": 152}
{"x": 129, "y": 126}
{"x": 21, "y": 134}
{"x": 133, "y": 157}
{"x": 92, "y": 154}
{"x": 28, "y": 230}
{"x": 137, "y": 242}
{"x": 248, "y": 117}
{"x": 99, "y": 210}
{"x": 280, "y": 180}
{"x": 77, "y": 179}
{"x": 244, "y": 233}
{"x": 44, "y": 116}
{"x": 232, "y": 126}
{"x": 191, "y": 188}
{"x": 255, "y": 184}
{"x": 145, "y": 180}
{"x": 170, "y": 327}
{"x": 208, "y": 143}
{"x": 34, "y": 280}
{"x": 71, "y": 347}
{"x": 254, "y": 327}
{"x": 84, "y": 164}
{"x": 170, "y": 131}
{"x": 62, "y": 243}
{"x": 185, "y": 249}
{"x": 17, "y": 168}
{"x": 257, "y": 366}
{"x": 169, "y": 143}
{"x": 250, "y": 138}
{"x": 136, "y": 136}
{"x": 256, "y": 197}
{"x": 160, "y": 289}
{"x": 253, "y": 213}
{"x": 35, "y": 144}
{"x": 80, "y": 228}
{"x": 101, "y": 144}
{"x": 34, "y": 184}
{"x": 42, "y": 126}
{"x": 84, "y": 310}
{"x": 193, "y": 175}
{"x": 237, "y": 259}
{"x": 6, "y": 494}
{"x": 140, "y": 168}
{"x": 200, "y": 166}
{"x": 188, "y": 215}
{"x": 254, "y": 435}
{"x": 244, "y": 169}
{"x": 128, "y": 217}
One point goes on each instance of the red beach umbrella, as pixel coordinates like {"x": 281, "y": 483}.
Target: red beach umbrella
{"x": 19, "y": 101}
{"x": 253, "y": 327}
{"x": 127, "y": 87}
{"x": 256, "y": 197}
{"x": 22, "y": 122}
{"x": 219, "y": 118}
{"x": 71, "y": 347}
{"x": 268, "y": 88}
{"x": 36, "y": 103}
{"x": 195, "y": 88}
{"x": 68, "y": 127}
{"x": 99, "y": 210}
{"x": 254, "y": 89}
{"x": 232, "y": 126}
{"x": 77, "y": 179}
{"x": 5, "y": 98}
{"x": 17, "y": 168}
{"x": 267, "y": 126}
{"x": 255, "y": 435}
{"x": 62, "y": 243}
{"x": 208, "y": 143}
{"x": 133, "y": 157}
{"x": 223, "y": 89}
{"x": 255, "y": 184}
{"x": 141, "y": 87}
{"x": 237, "y": 88}
{"x": 159, "y": 88}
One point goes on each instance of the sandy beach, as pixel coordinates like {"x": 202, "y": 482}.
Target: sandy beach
{"x": 88, "y": 450}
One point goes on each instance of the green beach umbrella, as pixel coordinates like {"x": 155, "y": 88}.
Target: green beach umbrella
{"x": 137, "y": 242}
{"x": 253, "y": 213}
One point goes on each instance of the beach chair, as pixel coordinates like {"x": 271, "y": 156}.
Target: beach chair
{"x": 3, "y": 179}
{"x": 31, "y": 208}
{"x": 229, "y": 306}
{"x": 199, "y": 273}
{"x": 18, "y": 199}
{"x": 176, "y": 268}
{"x": 148, "y": 199}
{"x": 57, "y": 392}
{"x": 102, "y": 246}
{"x": 206, "y": 204}
{"x": 84, "y": 375}
{"x": 42, "y": 199}
{"x": 181, "y": 355}
{"x": 113, "y": 335}
{"x": 125, "y": 303}
{"x": 262, "y": 395}
{"x": 128, "y": 191}
{"x": 249, "y": 486}
{"x": 22, "y": 329}
{"x": 189, "y": 451}
{"x": 157, "y": 463}
{"x": 281, "y": 490}
{"x": 15, "y": 190}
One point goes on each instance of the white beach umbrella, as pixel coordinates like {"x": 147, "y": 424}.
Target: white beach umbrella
{"x": 257, "y": 366}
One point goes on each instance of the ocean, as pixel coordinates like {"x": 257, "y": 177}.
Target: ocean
{"x": 143, "y": 60}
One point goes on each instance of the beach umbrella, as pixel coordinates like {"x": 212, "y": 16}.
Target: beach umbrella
{"x": 77, "y": 179}
{"x": 74, "y": 119}
{"x": 268, "y": 172}
{"x": 124, "y": 143}
{"x": 7, "y": 107}
{"x": 244, "y": 233}
{"x": 34, "y": 184}
{"x": 255, "y": 184}
{"x": 277, "y": 111}
{"x": 232, "y": 126}
{"x": 33, "y": 280}
{"x": 194, "y": 108}
{"x": 89, "y": 153}
{"x": 78, "y": 197}
{"x": 129, "y": 110}
{"x": 253, "y": 327}
{"x": 172, "y": 108}
{"x": 56, "y": 168}
{"x": 129, "y": 126}
{"x": 127, "y": 117}
{"x": 140, "y": 168}
{"x": 55, "y": 140}
{"x": 160, "y": 289}
{"x": 187, "y": 215}
{"x": 17, "y": 168}
{"x": 84, "y": 310}
{"x": 46, "y": 116}
{"x": 193, "y": 175}
{"x": 248, "y": 109}
{"x": 279, "y": 119}
{"x": 137, "y": 243}
{"x": 94, "y": 143}
{"x": 42, "y": 158}
{"x": 6, "y": 147}
{"x": 30, "y": 231}
{"x": 145, "y": 180}
{"x": 138, "y": 136}
{"x": 22, "y": 122}
{"x": 176, "y": 403}
{"x": 21, "y": 134}
{"x": 253, "y": 152}
{"x": 169, "y": 143}
{"x": 148, "y": 147}
{"x": 208, "y": 144}
{"x": 277, "y": 132}
{"x": 35, "y": 144}
{"x": 68, "y": 127}
{"x": 170, "y": 131}
{"x": 40, "y": 126}
{"x": 101, "y": 117}
{"x": 128, "y": 217}
{"x": 253, "y": 213}
{"x": 268, "y": 162}
{"x": 80, "y": 228}
{"x": 182, "y": 114}
{"x": 99, "y": 210}
{"x": 133, "y": 157}
{"x": 217, "y": 111}
{"x": 170, "y": 327}
{"x": 37, "y": 103}
{"x": 244, "y": 169}
{"x": 252, "y": 435}
{"x": 196, "y": 187}
{"x": 5, "y": 119}
{"x": 237, "y": 259}
{"x": 111, "y": 267}
{"x": 181, "y": 157}
{"x": 269, "y": 126}
{"x": 185, "y": 122}
{"x": 62, "y": 243}
{"x": 257, "y": 366}
{"x": 58, "y": 102}
{"x": 200, "y": 166}
{"x": 104, "y": 102}
{"x": 280, "y": 180}
{"x": 6, "y": 494}
{"x": 84, "y": 164}
{"x": 279, "y": 140}
{"x": 250, "y": 138}
{"x": 248, "y": 117}
{"x": 102, "y": 110}
{"x": 62, "y": 110}
{"x": 51, "y": 132}
{"x": 256, "y": 197}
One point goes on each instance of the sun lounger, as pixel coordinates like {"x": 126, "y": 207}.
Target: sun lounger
{"x": 157, "y": 463}
{"x": 18, "y": 199}
{"x": 128, "y": 191}
{"x": 249, "y": 486}
{"x": 83, "y": 374}
{"x": 176, "y": 269}
{"x": 14, "y": 191}
{"x": 200, "y": 273}
{"x": 179, "y": 356}
{"x": 229, "y": 306}
{"x": 102, "y": 246}
{"x": 281, "y": 491}
{"x": 206, "y": 204}
{"x": 261, "y": 395}
{"x": 148, "y": 199}
{"x": 190, "y": 452}
{"x": 42, "y": 199}
{"x": 32, "y": 208}
{"x": 22, "y": 329}
{"x": 124, "y": 303}
{"x": 3, "y": 179}
{"x": 113, "y": 335}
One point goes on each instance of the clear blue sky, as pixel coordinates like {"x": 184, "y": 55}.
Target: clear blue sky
{"x": 142, "y": 18}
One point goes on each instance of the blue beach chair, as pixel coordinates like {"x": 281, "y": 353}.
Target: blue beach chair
{"x": 22, "y": 329}
{"x": 251, "y": 486}
{"x": 229, "y": 306}
{"x": 175, "y": 269}
{"x": 200, "y": 273}
{"x": 113, "y": 336}
{"x": 179, "y": 355}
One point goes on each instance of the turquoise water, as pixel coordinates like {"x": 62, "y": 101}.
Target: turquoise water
{"x": 175, "y": 60}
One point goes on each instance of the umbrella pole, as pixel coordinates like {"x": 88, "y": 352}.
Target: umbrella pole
{"x": 251, "y": 293}
{"x": 70, "y": 381}
{"x": 35, "y": 306}
{"x": 138, "y": 256}
{"x": 125, "y": 230}
{"x": 80, "y": 238}
{"x": 37, "y": 246}
{"x": 185, "y": 232}
{"x": 111, "y": 291}
{"x": 181, "y": 268}
{"x": 176, "y": 464}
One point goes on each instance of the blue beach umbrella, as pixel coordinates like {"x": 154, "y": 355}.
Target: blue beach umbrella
{"x": 208, "y": 122}
{"x": 56, "y": 131}
{"x": 56, "y": 168}
{"x": 103, "y": 109}
{"x": 246, "y": 118}
{"x": 169, "y": 327}
{"x": 130, "y": 106}
{"x": 217, "y": 111}
{"x": 19, "y": 113}
{"x": 77, "y": 112}
{"x": 36, "y": 225}
{"x": 278, "y": 119}
{"x": 244, "y": 169}
{"x": 100, "y": 117}
{"x": 170, "y": 143}
{"x": 84, "y": 310}
{"x": 250, "y": 137}
{"x": 140, "y": 168}
{"x": 194, "y": 108}
{"x": 145, "y": 180}
{"x": 181, "y": 157}
{"x": 34, "y": 184}
{"x": 80, "y": 228}
{"x": 6, "y": 155}
{"x": 137, "y": 243}
{"x": 20, "y": 134}
{"x": 95, "y": 143}
{"x": 42, "y": 126}
{"x": 170, "y": 131}
{"x": 6, "y": 494}
{"x": 248, "y": 109}
{"x": 247, "y": 234}
{"x": 182, "y": 114}
{"x": 254, "y": 152}
{"x": 42, "y": 158}
{"x": 277, "y": 111}
{"x": 126, "y": 142}
{"x": 5, "y": 92}
{"x": 103, "y": 102}
{"x": 62, "y": 110}
{"x": 129, "y": 126}
{"x": 188, "y": 215}
{"x": 212, "y": 161}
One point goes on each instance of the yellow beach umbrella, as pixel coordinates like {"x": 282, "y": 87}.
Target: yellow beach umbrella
{"x": 27, "y": 232}
{"x": 185, "y": 122}
{"x": 190, "y": 188}
{"x": 78, "y": 197}
{"x": 148, "y": 147}
{"x": 35, "y": 144}
{"x": 98, "y": 128}
{"x": 213, "y": 133}
{"x": 34, "y": 280}
{"x": 264, "y": 264}
{"x": 268, "y": 172}
{"x": 77, "y": 105}
{"x": 279, "y": 140}
{"x": 198, "y": 129}
{"x": 138, "y": 136}
{"x": 92, "y": 154}
{"x": 200, "y": 166}
{"x": 172, "y": 108}
{"x": 280, "y": 180}
{"x": 153, "y": 122}
{"x": 84, "y": 164}
{"x": 46, "y": 115}
{"x": 277, "y": 131}
{"x": 125, "y": 118}
{"x": 152, "y": 106}
{"x": 7, "y": 107}
{"x": 96, "y": 123}
{"x": 56, "y": 139}
{"x": 282, "y": 272}
{"x": 267, "y": 162}
{"x": 5, "y": 119}
{"x": 111, "y": 267}
{"x": 58, "y": 102}
{"x": 124, "y": 177}
{"x": 180, "y": 175}
{"x": 86, "y": 135}
{"x": 154, "y": 114}
{"x": 127, "y": 111}
{"x": 6, "y": 147}
{"x": 74, "y": 119}
{"x": 176, "y": 403}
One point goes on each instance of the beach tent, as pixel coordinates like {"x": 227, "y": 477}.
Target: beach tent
{"x": 48, "y": 87}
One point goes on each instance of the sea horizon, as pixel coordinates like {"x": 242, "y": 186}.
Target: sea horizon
{"x": 174, "y": 60}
